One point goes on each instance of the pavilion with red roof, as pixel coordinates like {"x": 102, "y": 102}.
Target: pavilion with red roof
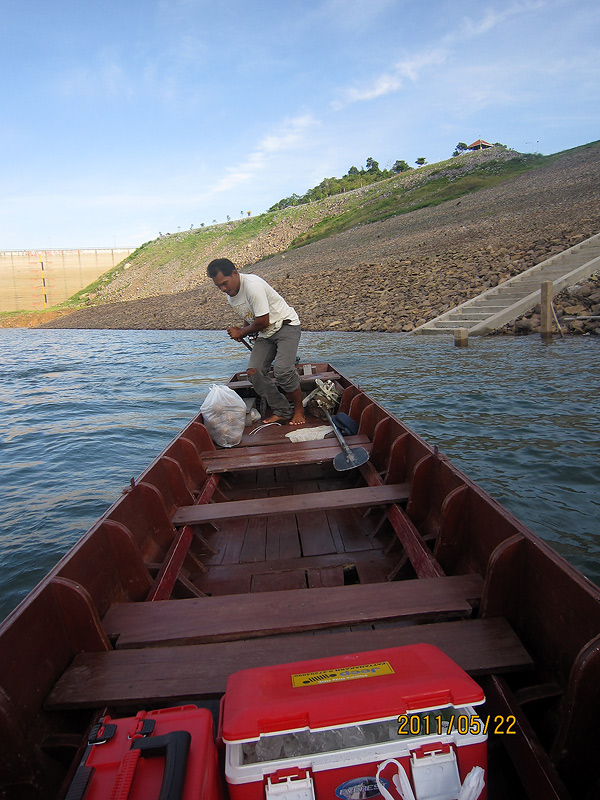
{"x": 479, "y": 145}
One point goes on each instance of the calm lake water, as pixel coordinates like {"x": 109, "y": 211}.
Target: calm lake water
{"x": 84, "y": 411}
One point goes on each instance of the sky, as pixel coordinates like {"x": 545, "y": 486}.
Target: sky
{"x": 124, "y": 119}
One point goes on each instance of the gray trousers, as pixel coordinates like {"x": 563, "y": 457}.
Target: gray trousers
{"x": 279, "y": 349}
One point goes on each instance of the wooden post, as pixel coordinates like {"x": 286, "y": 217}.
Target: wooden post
{"x": 43, "y": 277}
{"x": 547, "y": 290}
{"x": 461, "y": 337}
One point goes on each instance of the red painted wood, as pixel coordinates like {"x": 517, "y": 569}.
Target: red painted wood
{"x": 256, "y": 446}
{"x": 208, "y": 490}
{"x": 230, "y": 578}
{"x": 165, "y": 674}
{"x": 255, "y": 541}
{"x": 292, "y": 504}
{"x": 231, "y": 617}
{"x": 421, "y": 557}
{"x": 276, "y": 456}
{"x": 304, "y": 379}
{"x": 165, "y": 580}
{"x": 424, "y": 564}
{"x": 535, "y": 769}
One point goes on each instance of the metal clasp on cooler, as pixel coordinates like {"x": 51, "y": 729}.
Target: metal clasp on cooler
{"x": 142, "y": 727}
{"x": 435, "y": 772}
{"x": 294, "y": 785}
{"x": 102, "y": 732}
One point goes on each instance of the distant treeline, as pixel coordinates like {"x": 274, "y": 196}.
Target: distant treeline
{"x": 353, "y": 179}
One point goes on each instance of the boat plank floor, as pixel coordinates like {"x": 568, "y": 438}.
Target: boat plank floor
{"x": 225, "y": 578}
{"x": 254, "y": 547}
{"x": 288, "y": 579}
{"x": 328, "y": 576}
{"x": 214, "y": 619}
{"x": 228, "y": 543}
{"x": 126, "y": 678}
{"x": 282, "y": 538}
{"x": 289, "y": 535}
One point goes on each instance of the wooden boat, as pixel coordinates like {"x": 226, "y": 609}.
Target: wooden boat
{"x": 218, "y": 559}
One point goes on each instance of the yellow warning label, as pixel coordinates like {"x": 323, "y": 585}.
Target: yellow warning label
{"x": 342, "y": 674}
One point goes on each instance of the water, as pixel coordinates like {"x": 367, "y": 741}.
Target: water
{"x": 84, "y": 411}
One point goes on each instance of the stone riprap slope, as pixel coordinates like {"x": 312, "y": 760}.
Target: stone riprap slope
{"x": 577, "y": 312}
{"x": 396, "y": 274}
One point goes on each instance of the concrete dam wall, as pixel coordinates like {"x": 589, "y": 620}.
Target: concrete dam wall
{"x": 35, "y": 279}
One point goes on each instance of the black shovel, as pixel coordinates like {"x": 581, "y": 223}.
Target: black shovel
{"x": 348, "y": 458}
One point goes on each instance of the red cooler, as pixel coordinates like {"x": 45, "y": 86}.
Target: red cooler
{"x": 320, "y": 729}
{"x": 169, "y": 753}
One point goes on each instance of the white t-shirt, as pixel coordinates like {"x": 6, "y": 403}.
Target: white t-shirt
{"x": 256, "y": 298}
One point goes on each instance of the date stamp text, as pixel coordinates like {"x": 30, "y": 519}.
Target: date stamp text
{"x": 463, "y": 724}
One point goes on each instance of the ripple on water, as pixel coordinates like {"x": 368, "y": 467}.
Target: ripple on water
{"x": 84, "y": 411}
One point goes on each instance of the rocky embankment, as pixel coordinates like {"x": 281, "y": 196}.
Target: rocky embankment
{"x": 396, "y": 274}
{"x": 577, "y": 312}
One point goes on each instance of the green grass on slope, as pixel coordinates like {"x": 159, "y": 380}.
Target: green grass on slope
{"x": 187, "y": 248}
{"x": 427, "y": 186}
{"x": 402, "y": 197}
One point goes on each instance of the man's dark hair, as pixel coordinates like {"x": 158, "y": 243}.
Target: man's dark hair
{"x": 222, "y": 265}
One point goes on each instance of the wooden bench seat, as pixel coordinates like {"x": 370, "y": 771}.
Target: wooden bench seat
{"x": 292, "y": 504}
{"x": 134, "y": 678}
{"x": 323, "y": 376}
{"x": 221, "y": 619}
{"x": 287, "y": 454}
{"x": 278, "y": 443}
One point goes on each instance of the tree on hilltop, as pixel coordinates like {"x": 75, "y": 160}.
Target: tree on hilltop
{"x": 372, "y": 166}
{"x": 421, "y": 160}
{"x": 353, "y": 179}
{"x": 400, "y": 166}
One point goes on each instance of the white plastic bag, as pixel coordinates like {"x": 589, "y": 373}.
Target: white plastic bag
{"x": 224, "y": 415}
{"x": 470, "y": 790}
{"x": 473, "y": 784}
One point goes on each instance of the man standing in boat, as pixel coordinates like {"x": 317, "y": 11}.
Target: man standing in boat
{"x": 276, "y": 325}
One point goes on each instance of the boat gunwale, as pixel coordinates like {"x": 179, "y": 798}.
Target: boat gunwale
{"x": 521, "y": 544}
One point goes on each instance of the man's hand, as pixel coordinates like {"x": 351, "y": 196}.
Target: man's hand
{"x": 235, "y": 332}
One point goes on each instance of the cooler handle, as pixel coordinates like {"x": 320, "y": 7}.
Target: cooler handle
{"x": 400, "y": 781}
{"x": 174, "y": 746}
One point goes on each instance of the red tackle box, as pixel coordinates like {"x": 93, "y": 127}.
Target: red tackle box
{"x": 169, "y": 753}
{"x": 321, "y": 728}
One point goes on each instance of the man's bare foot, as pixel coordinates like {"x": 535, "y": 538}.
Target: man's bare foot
{"x": 298, "y": 417}
{"x": 275, "y": 418}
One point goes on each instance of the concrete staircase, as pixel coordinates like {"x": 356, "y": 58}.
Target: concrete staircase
{"x": 507, "y": 301}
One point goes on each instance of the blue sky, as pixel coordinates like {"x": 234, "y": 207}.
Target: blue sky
{"x": 120, "y": 120}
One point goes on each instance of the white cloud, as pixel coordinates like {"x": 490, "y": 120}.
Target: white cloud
{"x": 382, "y": 85}
{"x": 106, "y": 76}
{"x": 407, "y": 69}
{"x": 289, "y": 136}
{"x": 471, "y": 28}
{"x": 412, "y": 67}
{"x": 354, "y": 15}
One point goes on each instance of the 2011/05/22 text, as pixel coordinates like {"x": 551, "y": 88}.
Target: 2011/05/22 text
{"x": 463, "y": 724}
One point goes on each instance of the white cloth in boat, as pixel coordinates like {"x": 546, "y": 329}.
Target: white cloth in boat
{"x": 309, "y": 434}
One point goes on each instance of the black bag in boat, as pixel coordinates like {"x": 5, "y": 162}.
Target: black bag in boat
{"x": 345, "y": 424}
